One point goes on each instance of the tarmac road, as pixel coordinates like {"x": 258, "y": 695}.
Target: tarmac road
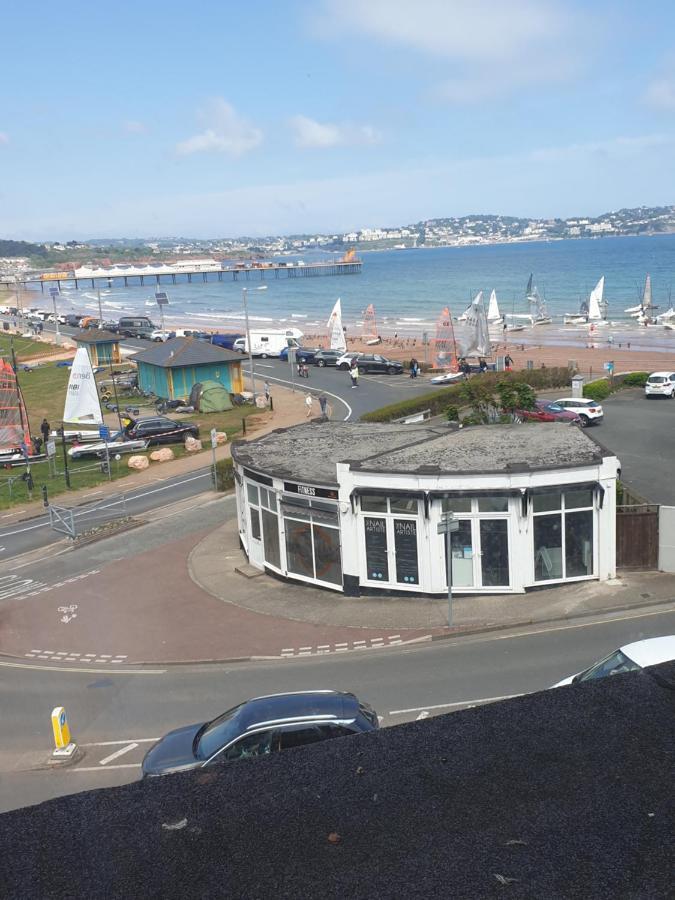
{"x": 116, "y": 717}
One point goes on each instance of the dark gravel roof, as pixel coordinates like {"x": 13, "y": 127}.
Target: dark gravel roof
{"x": 563, "y": 794}
{"x": 95, "y": 336}
{"x": 310, "y": 452}
{"x": 185, "y": 351}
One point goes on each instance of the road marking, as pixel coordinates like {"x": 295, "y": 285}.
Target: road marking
{"x": 107, "y": 768}
{"x": 423, "y": 715}
{"x": 426, "y": 709}
{"x": 135, "y": 741}
{"x": 37, "y": 668}
{"x": 117, "y": 754}
{"x": 294, "y": 384}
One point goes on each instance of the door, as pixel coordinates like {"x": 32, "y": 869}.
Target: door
{"x": 255, "y": 542}
{"x": 494, "y": 550}
{"x": 392, "y": 555}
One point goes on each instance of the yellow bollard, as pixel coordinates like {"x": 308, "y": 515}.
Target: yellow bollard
{"x": 63, "y": 745}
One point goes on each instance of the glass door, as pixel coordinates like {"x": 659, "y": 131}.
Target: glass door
{"x": 377, "y": 561}
{"x": 405, "y": 547}
{"x": 494, "y": 552}
{"x": 461, "y": 549}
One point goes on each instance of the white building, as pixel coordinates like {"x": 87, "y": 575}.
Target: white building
{"x": 356, "y": 507}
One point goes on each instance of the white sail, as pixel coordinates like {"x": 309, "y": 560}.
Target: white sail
{"x": 479, "y": 343}
{"x": 82, "y": 403}
{"x": 595, "y": 302}
{"x": 647, "y": 295}
{"x": 335, "y": 330}
{"x": 493, "y": 315}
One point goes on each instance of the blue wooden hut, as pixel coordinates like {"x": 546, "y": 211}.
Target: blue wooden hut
{"x": 170, "y": 369}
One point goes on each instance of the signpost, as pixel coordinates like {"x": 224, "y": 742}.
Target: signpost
{"x": 104, "y": 434}
{"x": 291, "y": 360}
{"x": 50, "y": 449}
{"x": 446, "y": 526}
{"x": 162, "y": 300}
{"x": 54, "y": 293}
{"x": 214, "y": 444}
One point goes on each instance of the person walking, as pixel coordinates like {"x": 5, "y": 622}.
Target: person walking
{"x": 354, "y": 374}
{"x": 413, "y": 367}
{"x": 308, "y": 404}
{"x": 46, "y": 430}
{"x": 508, "y": 362}
{"x": 323, "y": 403}
{"x": 268, "y": 392}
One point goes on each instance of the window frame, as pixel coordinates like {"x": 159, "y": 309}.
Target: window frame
{"x": 562, "y": 512}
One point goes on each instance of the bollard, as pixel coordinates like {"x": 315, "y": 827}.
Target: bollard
{"x": 271, "y": 403}
{"x": 45, "y": 498}
{"x": 243, "y": 425}
{"x": 64, "y": 747}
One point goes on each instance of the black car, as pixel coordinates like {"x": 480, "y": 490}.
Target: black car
{"x": 73, "y": 320}
{"x": 159, "y": 430}
{"x": 370, "y": 362}
{"x": 259, "y": 727}
{"x": 326, "y": 357}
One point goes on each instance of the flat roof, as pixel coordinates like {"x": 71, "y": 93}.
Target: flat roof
{"x": 185, "y": 351}
{"x": 310, "y": 452}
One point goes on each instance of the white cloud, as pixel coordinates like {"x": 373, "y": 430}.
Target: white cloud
{"x": 489, "y": 46}
{"x": 660, "y": 93}
{"x": 131, "y": 126}
{"x": 225, "y": 131}
{"x": 312, "y": 134}
{"x": 4, "y": 137}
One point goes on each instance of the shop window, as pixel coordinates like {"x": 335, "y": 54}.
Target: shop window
{"x": 456, "y": 504}
{"x": 373, "y": 503}
{"x": 403, "y": 505}
{"x": 313, "y": 550}
{"x": 461, "y": 548}
{"x": 255, "y": 522}
{"x": 578, "y": 543}
{"x": 252, "y": 491}
{"x": 545, "y": 502}
{"x": 299, "y": 552}
{"x": 548, "y": 548}
{"x": 405, "y": 542}
{"x": 327, "y": 558}
{"x": 563, "y": 541}
{"x": 271, "y": 538}
{"x": 494, "y": 545}
{"x": 493, "y": 504}
{"x": 578, "y": 499}
{"x": 376, "y": 548}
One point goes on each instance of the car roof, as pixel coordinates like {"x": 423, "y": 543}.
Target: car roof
{"x": 663, "y": 374}
{"x": 652, "y": 651}
{"x": 582, "y": 401}
{"x": 298, "y": 705}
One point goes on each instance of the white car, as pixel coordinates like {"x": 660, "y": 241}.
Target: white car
{"x": 660, "y": 384}
{"x": 629, "y": 658}
{"x": 345, "y": 361}
{"x": 590, "y": 412}
{"x": 161, "y": 335}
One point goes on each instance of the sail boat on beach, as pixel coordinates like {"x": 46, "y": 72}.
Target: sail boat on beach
{"x": 592, "y": 311}
{"x": 644, "y": 311}
{"x": 369, "y": 329}
{"x": 336, "y": 333}
{"x": 479, "y": 342}
{"x": 538, "y": 311}
{"x": 15, "y": 440}
{"x": 494, "y": 317}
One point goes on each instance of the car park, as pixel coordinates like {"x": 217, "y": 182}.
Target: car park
{"x": 660, "y": 384}
{"x": 371, "y": 362}
{"x": 259, "y": 727}
{"x": 589, "y": 412}
{"x": 326, "y": 357}
{"x": 547, "y": 411}
{"x": 629, "y": 658}
{"x": 160, "y": 430}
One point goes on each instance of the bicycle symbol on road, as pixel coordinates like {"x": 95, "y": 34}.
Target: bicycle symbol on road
{"x": 69, "y": 613}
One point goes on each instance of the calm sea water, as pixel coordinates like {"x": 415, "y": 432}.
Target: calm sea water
{"x": 410, "y": 287}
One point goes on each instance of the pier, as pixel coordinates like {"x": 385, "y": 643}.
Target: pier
{"x": 155, "y": 276}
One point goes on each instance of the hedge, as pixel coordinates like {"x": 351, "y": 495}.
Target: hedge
{"x": 598, "y": 390}
{"x": 635, "y": 379}
{"x": 224, "y": 475}
{"x": 439, "y": 400}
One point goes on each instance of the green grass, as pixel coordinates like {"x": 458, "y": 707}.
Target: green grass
{"x": 83, "y": 474}
{"x": 25, "y": 348}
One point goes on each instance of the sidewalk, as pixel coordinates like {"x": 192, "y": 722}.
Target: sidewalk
{"x": 214, "y": 561}
{"x": 289, "y": 409}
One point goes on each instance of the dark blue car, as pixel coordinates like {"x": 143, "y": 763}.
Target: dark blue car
{"x": 302, "y": 354}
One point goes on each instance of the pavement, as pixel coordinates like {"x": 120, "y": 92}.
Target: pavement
{"x": 169, "y": 592}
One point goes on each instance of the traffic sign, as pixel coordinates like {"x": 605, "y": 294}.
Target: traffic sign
{"x": 53, "y": 292}
{"x": 51, "y": 448}
{"x": 214, "y": 438}
{"x": 104, "y": 432}
{"x": 446, "y": 527}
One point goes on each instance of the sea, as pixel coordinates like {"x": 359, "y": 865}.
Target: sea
{"x": 410, "y": 288}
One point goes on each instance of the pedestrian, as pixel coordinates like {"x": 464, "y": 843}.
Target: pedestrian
{"x": 323, "y": 403}
{"x": 268, "y": 392}
{"x": 308, "y": 404}
{"x": 46, "y": 430}
{"x": 482, "y": 365}
{"x": 508, "y": 362}
{"x": 413, "y": 367}
{"x": 354, "y": 374}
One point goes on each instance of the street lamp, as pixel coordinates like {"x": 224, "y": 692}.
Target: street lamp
{"x": 54, "y": 294}
{"x": 262, "y": 287}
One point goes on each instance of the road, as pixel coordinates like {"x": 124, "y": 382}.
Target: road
{"x": 116, "y": 717}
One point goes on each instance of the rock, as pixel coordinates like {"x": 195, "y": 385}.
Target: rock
{"x": 221, "y": 437}
{"x": 138, "y": 462}
{"x": 192, "y": 444}
{"x": 162, "y": 455}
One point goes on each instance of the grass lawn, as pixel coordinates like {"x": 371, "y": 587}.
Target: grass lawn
{"x": 25, "y": 348}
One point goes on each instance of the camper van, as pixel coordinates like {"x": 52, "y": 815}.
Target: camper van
{"x": 268, "y": 343}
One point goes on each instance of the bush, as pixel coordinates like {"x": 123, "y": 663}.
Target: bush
{"x": 439, "y": 400}
{"x": 452, "y": 413}
{"x": 598, "y": 390}
{"x": 224, "y": 475}
{"x": 635, "y": 379}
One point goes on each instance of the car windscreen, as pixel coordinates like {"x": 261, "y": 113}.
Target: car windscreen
{"x": 656, "y": 379}
{"x": 218, "y": 733}
{"x": 615, "y": 664}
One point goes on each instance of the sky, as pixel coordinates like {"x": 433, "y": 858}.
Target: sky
{"x": 216, "y": 119}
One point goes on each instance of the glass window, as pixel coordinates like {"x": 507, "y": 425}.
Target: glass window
{"x": 259, "y": 744}
{"x": 405, "y": 542}
{"x": 327, "y": 558}
{"x": 576, "y": 499}
{"x": 335, "y": 731}
{"x": 219, "y": 732}
{"x": 547, "y": 547}
{"x": 271, "y": 538}
{"x": 456, "y": 504}
{"x": 493, "y": 504}
{"x": 373, "y": 503}
{"x": 403, "y": 505}
{"x": 494, "y": 545}
{"x": 255, "y": 522}
{"x": 579, "y": 543}
{"x": 615, "y": 664}
{"x": 299, "y": 736}
{"x": 376, "y": 548}
{"x": 546, "y": 502}
{"x": 252, "y": 491}
{"x": 461, "y": 548}
{"x": 299, "y": 554}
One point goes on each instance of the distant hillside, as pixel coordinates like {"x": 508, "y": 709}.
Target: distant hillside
{"x": 21, "y": 248}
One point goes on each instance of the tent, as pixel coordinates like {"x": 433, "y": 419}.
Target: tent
{"x": 213, "y": 397}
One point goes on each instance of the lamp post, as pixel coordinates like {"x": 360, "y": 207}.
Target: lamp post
{"x": 54, "y": 294}
{"x": 248, "y": 335}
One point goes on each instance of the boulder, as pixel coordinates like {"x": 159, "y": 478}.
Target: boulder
{"x": 221, "y": 437}
{"x": 138, "y": 462}
{"x": 192, "y": 444}
{"x": 164, "y": 454}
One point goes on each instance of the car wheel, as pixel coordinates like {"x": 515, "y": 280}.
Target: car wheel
{"x": 321, "y": 363}
{"x": 263, "y": 356}
{"x": 391, "y": 370}
{"x": 361, "y": 371}
{"x": 343, "y": 367}
{"x": 584, "y": 421}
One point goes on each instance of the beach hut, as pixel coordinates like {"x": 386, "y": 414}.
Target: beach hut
{"x": 103, "y": 346}
{"x": 170, "y": 369}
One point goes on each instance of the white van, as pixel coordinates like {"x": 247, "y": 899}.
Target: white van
{"x": 268, "y": 343}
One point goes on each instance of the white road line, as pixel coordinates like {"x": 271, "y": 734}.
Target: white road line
{"x": 107, "y": 768}
{"x": 117, "y": 743}
{"x": 328, "y": 393}
{"x": 117, "y": 754}
{"x": 17, "y": 665}
{"x": 423, "y": 715}
{"x": 425, "y": 709}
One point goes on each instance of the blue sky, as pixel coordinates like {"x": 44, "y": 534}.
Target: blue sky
{"x": 221, "y": 119}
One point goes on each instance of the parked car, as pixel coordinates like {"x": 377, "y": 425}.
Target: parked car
{"x": 629, "y": 658}
{"x": 345, "y": 361}
{"x": 159, "y": 430}
{"x": 72, "y": 320}
{"x": 302, "y": 354}
{"x": 547, "y": 411}
{"x": 259, "y": 727}
{"x": 326, "y": 357}
{"x": 660, "y": 384}
{"x": 161, "y": 335}
{"x": 136, "y": 327}
{"x": 89, "y": 322}
{"x": 372, "y": 362}
{"x": 590, "y": 412}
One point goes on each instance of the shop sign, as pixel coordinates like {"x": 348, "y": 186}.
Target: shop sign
{"x": 308, "y": 490}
